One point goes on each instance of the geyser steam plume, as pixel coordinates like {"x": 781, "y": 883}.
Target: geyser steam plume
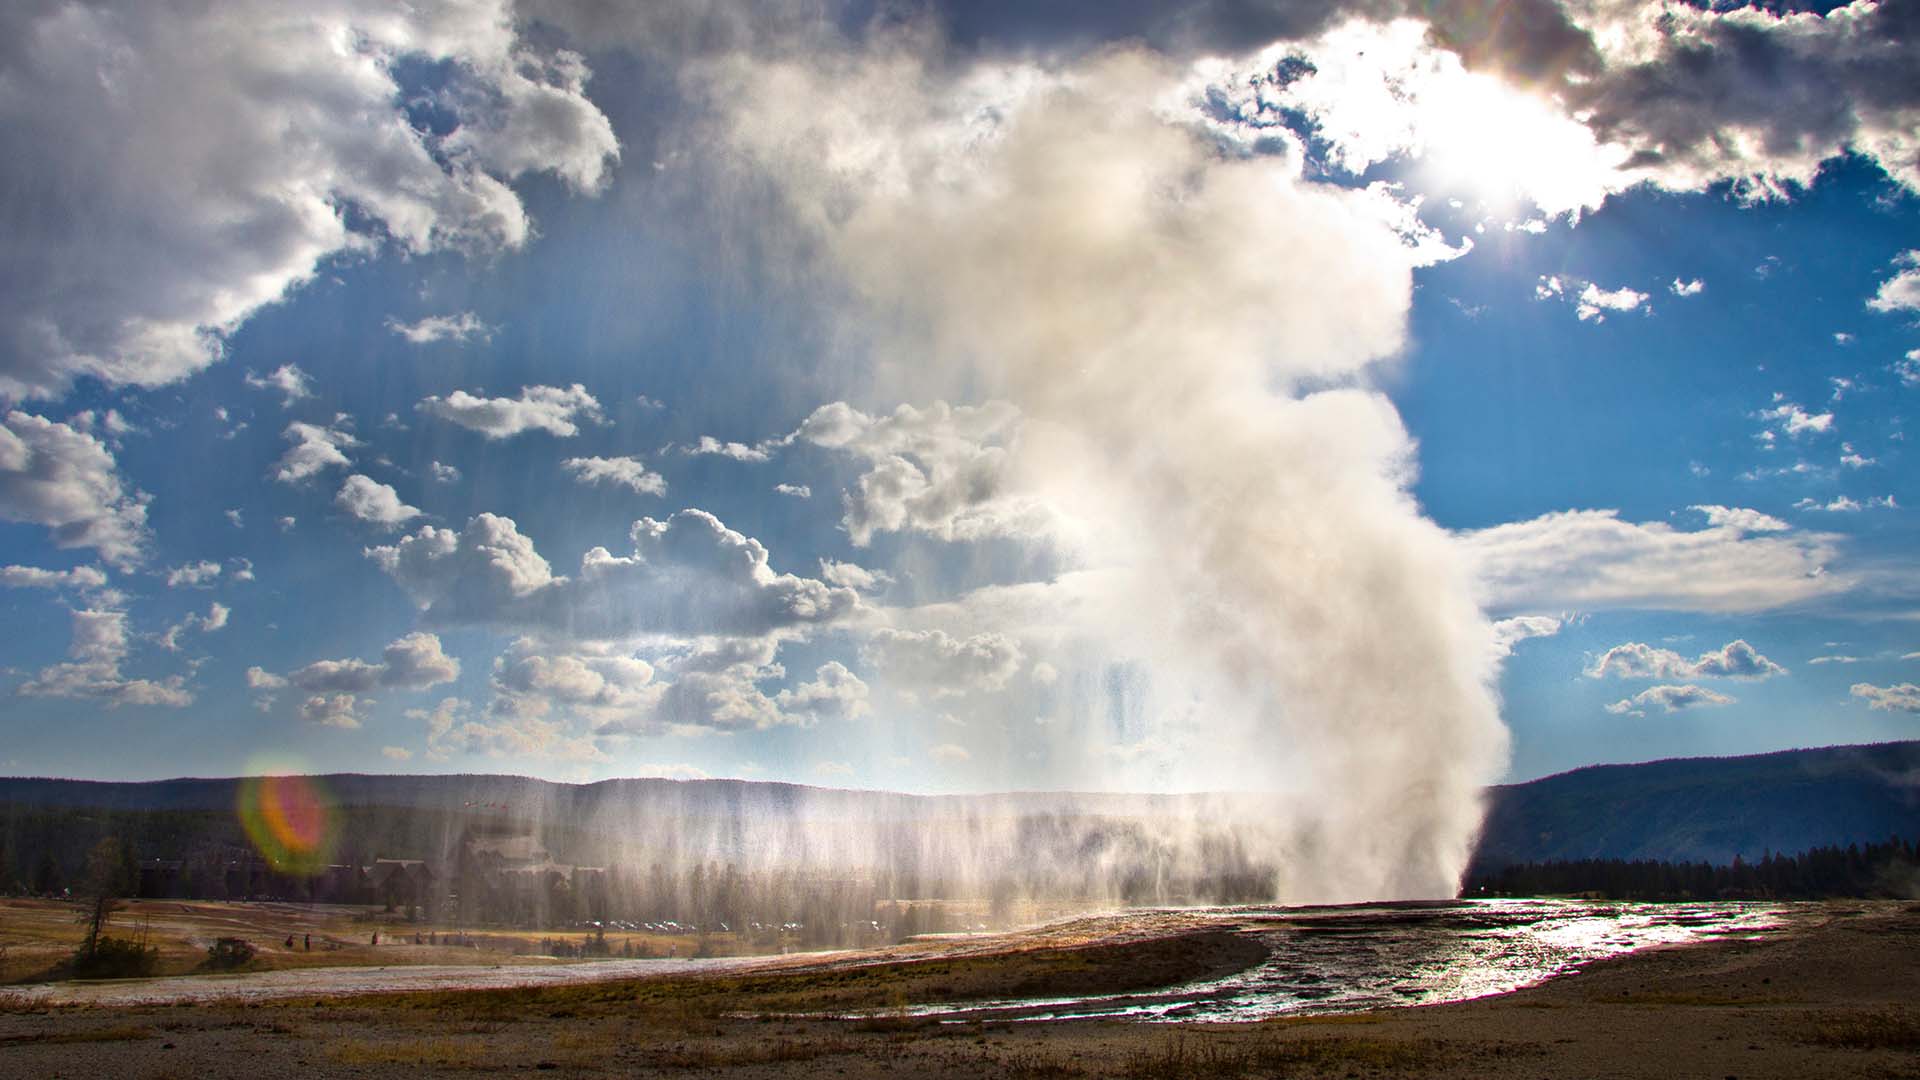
{"x": 1186, "y": 330}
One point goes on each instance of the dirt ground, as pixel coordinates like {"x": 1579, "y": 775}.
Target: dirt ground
{"x": 1835, "y": 994}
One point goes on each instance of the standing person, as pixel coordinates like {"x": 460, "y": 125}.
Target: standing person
{"x": 308, "y": 942}
{"x": 376, "y": 937}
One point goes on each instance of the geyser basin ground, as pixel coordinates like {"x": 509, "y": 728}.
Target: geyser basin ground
{"x": 1830, "y": 992}
{"x": 1319, "y": 959}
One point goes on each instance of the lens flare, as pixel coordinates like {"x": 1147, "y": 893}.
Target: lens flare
{"x": 289, "y": 820}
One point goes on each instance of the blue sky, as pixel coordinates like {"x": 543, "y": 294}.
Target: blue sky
{"x": 1156, "y": 405}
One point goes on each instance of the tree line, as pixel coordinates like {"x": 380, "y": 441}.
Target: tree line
{"x": 1875, "y": 870}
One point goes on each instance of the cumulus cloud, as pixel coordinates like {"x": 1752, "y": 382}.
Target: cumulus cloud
{"x": 443, "y": 474}
{"x": 193, "y": 575}
{"x": 1509, "y": 633}
{"x": 98, "y": 650}
{"x": 625, "y": 472}
{"x": 1635, "y": 660}
{"x": 687, "y": 576}
{"x": 833, "y": 694}
{"x": 1900, "y": 697}
{"x": 396, "y": 753}
{"x": 551, "y": 409}
{"x": 1670, "y": 699}
{"x": 331, "y": 710}
{"x": 798, "y": 491}
{"x": 34, "y": 577}
{"x": 853, "y": 576}
{"x": 461, "y": 327}
{"x": 1687, "y": 288}
{"x": 940, "y": 471}
{"x": 1742, "y": 561}
{"x": 707, "y": 445}
{"x": 414, "y": 662}
{"x": 67, "y": 481}
{"x": 1594, "y": 302}
{"x": 452, "y": 728}
{"x": 287, "y": 380}
{"x": 941, "y": 663}
{"x": 215, "y": 619}
{"x": 1901, "y": 292}
{"x": 375, "y": 503}
{"x": 314, "y": 450}
{"x": 1795, "y": 421}
{"x": 231, "y": 149}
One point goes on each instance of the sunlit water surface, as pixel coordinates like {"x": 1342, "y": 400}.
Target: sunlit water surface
{"x": 1352, "y": 959}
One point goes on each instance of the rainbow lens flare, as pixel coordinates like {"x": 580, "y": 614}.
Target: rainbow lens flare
{"x": 289, "y": 820}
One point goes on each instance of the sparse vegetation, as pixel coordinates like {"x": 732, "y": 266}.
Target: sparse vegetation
{"x": 228, "y": 953}
{"x": 1867, "y": 1031}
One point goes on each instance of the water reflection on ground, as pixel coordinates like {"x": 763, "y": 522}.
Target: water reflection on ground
{"x": 1351, "y": 959}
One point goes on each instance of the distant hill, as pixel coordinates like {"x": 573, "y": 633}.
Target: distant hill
{"x": 1708, "y": 809}
{"x": 1701, "y": 809}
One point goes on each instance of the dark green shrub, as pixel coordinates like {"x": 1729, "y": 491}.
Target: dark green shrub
{"x": 228, "y": 953}
{"x": 115, "y": 958}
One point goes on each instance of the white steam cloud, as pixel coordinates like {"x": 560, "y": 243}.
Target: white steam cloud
{"x": 1186, "y": 337}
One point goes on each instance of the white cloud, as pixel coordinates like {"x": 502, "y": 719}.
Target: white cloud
{"x": 93, "y": 673}
{"x": 798, "y": 491}
{"x": 710, "y": 446}
{"x": 853, "y": 576}
{"x": 33, "y": 577}
{"x": 1670, "y": 699}
{"x": 214, "y": 619}
{"x": 193, "y": 575}
{"x": 689, "y": 575}
{"x": 624, "y": 471}
{"x": 461, "y": 327}
{"x": 834, "y": 694}
{"x": 1594, "y": 302}
{"x": 1636, "y": 660}
{"x": 314, "y": 450}
{"x": 1901, "y": 292}
{"x": 374, "y": 503}
{"x": 287, "y": 523}
{"x": 551, "y": 409}
{"x": 941, "y": 663}
{"x": 1687, "y": 288}
{"x": 414, "y": 662}
{"x": 331, "y": 710}
{"x": 1796, "y": 421}
{"x": 66, "y": 480}
{"x": 1900, "y": 697}
{"x": 259, "y": 678}
{"x": 396, "y": 753}
{"x": 1740, "y": 519}
{"x": 1837, "y": 660}
{"x": 1508, "y": 633}
{"x": 287, "y": 380}
{"x": 940, "y": 471}
{"x": 1908, "y": 368}
{"x": 231, "y": 149}
{"x": 949, "y": 753}
{"x": 443, "y": 474}
{"x": 452, "y": 729}
{"x": 235, "y": 517}
{"x": 1843, "y": 504}
{"x": 1742, "y": 561}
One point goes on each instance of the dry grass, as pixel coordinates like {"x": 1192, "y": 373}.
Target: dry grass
{"x": 1196, "y": 1057}
{"x": 116, "y": 1033}
{"x": 733, "y": 1053}
{"x": 1866, "y": 1031}
{"x": 434, "y": 1053}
